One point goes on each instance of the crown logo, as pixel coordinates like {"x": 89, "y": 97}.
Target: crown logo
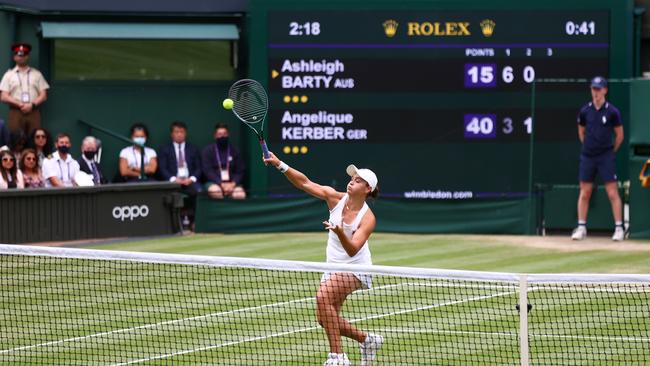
{"x": 487, "y": 27}
{"x": 390, "y": 28}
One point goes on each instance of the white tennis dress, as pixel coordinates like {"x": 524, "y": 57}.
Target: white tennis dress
{"x": 335, "y": 251}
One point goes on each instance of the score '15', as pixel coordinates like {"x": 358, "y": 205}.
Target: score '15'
{"x": 485, "y": 75}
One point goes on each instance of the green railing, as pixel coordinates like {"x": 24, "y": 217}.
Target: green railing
{"x": 119, "y": 137}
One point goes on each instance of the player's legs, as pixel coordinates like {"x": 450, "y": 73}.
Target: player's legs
{"x": 215, "y": 191}
{"x": 347, "y": 329}
{"x": 329, "y": 299}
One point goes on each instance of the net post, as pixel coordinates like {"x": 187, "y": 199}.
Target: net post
{"x": 523, "y": 319}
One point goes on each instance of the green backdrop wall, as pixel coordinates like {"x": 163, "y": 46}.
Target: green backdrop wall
{"x": 508, "y": 216}
{"x": 117, "y": 105}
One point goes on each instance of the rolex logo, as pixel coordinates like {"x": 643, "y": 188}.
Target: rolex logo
{"x": 390, "y": 27}
{"x": 487, "y": 27}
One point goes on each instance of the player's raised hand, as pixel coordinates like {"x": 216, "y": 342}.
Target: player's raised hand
{"x": 272, "y": 160}
{"x": 335, "y": 228}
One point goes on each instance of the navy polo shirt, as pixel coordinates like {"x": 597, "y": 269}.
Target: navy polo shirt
{"x": 599, "y": 128}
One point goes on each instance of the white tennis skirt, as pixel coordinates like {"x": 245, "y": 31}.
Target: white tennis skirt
{"x": 364, "y": 278}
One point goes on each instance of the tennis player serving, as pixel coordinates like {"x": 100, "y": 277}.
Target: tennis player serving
{"x": 350, "y": 224}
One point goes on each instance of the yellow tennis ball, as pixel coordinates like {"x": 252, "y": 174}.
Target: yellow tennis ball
{"x": 228, "y": 103}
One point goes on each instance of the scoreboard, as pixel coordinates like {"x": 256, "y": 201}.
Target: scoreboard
{"x": 438, "y": 102}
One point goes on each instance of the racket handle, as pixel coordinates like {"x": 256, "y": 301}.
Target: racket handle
{"x": 265, "y": 149}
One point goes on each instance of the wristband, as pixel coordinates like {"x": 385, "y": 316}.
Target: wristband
{"x": 283, "y": 167}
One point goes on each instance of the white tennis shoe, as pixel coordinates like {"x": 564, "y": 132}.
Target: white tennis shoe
{"x": 619, "y": 234}
{"x": 337, "y": 359}
{"x": 579, "y": 233}
{"x": 369, "y": 348}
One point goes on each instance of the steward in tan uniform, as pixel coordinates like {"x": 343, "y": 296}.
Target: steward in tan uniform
{"x": 24, "y": 89}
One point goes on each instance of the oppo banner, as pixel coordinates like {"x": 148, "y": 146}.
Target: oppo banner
{"x": 109, "y": 211}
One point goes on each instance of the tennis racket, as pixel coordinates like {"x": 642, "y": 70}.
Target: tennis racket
{"x": 250, "y": 105}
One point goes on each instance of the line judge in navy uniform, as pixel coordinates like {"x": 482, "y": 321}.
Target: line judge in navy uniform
{"x": 598, "y": 122}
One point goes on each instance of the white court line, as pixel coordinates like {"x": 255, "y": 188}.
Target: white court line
{"x": 302, "y": 330}
{"x": 224, "y": 313}
{"x": 216, "y": 346}
{"x": 513, "y": 334}
{"x": 175, "y": 321}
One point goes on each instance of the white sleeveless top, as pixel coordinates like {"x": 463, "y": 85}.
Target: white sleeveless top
{"x": 335, "y": 251}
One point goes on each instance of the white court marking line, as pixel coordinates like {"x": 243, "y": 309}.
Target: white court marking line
{"x": 175, "y": 321}
{"x": 302, "y": 330}
{"x": 224, "y": 313}
{"x": 513, "y": 334}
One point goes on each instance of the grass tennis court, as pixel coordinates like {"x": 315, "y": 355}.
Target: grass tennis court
{"x": 159, "y": 314}
{"x": 465, "y": 252}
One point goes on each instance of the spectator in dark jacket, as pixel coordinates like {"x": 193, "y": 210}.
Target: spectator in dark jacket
{"x": 88, "y": 160}
{"x": 223, "y": 167}
{"x": 180, "y": 162}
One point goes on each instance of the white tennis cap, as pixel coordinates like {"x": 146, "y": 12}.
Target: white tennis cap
{"x": 366, "y": 174}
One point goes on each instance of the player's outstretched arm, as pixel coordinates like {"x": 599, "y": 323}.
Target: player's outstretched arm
{"x": 300, "y": 181}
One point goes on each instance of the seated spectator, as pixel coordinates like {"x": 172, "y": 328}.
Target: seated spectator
{"x": 131, "y": 158}
{"x": 180, "y": 162}
{"x": 60, "y": 168}
{"x": 41, "y": 141}
{"x": 5, "y": 136}
{"x": 32, "y": 175}
{"x": 88, "y": 163}
{"x": 223, "y": 167}
{"x": 10, "y": 176}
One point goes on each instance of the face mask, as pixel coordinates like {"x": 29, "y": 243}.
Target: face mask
{"x": 63, "y": 149}
{"x": 222, "y": 141}
{"x": 140, "y": 140}
{"x": 89, "y": 154}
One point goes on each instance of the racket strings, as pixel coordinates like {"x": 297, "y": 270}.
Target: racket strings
{"x": 250, "y": 101}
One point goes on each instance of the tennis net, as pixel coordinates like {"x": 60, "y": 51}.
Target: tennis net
{"x": 63, "y": 306}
